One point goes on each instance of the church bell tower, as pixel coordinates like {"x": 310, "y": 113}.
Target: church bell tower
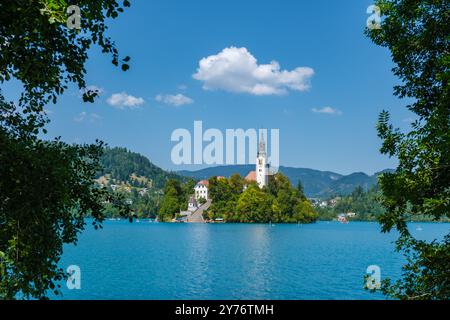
{"x": 262, "y": 166}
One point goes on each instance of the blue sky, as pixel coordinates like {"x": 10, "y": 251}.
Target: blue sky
{"x": 166, "y": 39}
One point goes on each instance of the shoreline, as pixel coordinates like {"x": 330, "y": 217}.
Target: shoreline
{"x": 150, "y": 220}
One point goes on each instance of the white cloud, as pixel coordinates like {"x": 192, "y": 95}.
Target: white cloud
{"x": 237, "y": 70}
{"x": 124, "y": 101}
{"x": 95, "y": 117}
{"x": 174, "y": 100}
{"x": 80, "y": 117}
{"x": 91, "y": 117}
{"x": 327, "y": 110}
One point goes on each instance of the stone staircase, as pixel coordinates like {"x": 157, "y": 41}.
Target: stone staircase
{"x": 197, "y": 216}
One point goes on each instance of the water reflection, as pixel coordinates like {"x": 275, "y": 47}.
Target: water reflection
{"x": 258, "y": 280}
{"x": 198, "y": 258}
{"x": 233, "y": 261}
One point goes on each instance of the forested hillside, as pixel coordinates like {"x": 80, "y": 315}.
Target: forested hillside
{"x": 123, "y": 165}
{"x": 138, "y": 180}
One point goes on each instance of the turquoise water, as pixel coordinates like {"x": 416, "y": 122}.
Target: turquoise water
{"x": 145, "y": 260}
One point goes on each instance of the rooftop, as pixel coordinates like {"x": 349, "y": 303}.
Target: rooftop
{"x": 251, "y": 176}
{"x": 203, "y": 183}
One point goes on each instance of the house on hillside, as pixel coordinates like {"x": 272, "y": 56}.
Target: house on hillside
{"x": 333, "y": 202}
{"x": 143, "y": 192}
{"x": 201, "y": 190}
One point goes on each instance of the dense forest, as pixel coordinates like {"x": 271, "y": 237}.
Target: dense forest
{"x": 176, "y": 196}
{"x": 122, "y": 164}
{"x": 140, "y": 183}
{"x": 236, "y": 200}
{"x": 364, "y": 203}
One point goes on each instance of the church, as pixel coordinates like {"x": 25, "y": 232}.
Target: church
{"x": 261, "y": 175}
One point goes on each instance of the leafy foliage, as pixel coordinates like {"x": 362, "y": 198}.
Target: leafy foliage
{"x": 40, "y": 51}
{"x": 46, "y": 187}
{"x": 417, "y": 35}
{"x": 175, "y": 199}
{"x": 46, "y": 192}
{"x": 279, "y": 202}
{"x": 426, "y": 272}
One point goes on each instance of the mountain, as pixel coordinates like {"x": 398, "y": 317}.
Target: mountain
{"x": 225, "y": 171}
{"x": 316, "y": 183}
{"x": 346, "y": 184}
{"x": 123, "y": 165}
{"x": 119, "y": 164}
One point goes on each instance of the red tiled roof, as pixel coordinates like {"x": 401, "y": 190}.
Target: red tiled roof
{"x": 251, "y": 176}
{"x": 203, "y": 182}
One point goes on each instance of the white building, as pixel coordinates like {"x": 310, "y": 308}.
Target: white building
{"x": 261, "y": 175}
{"x": 192, "y": 205}
{"x": 201, "y": 190}
{"x": 143, "y": 192}
{"x": 262, "y": 165}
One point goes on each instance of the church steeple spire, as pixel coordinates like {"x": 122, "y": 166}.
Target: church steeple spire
{"x": 262, "y": 145}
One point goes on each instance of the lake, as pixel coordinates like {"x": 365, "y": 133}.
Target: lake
{"x": 145, "y": 260}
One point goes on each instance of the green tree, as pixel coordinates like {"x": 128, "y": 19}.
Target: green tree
{"x": 417, "y": 35}
{"x": 301, "y": 190}
{"x": 254, "y": 205}
{"x": 121, "y": 164}
{"x": 173, "y": 200}
{"x": 286, "y": 197}
{"x": 236, "y": 183}
{"x": 219, "y": 189}
{"x": 187, "y": 190}
{"x": 304, "y": 212}
{"x": 46, "y": 188}
{"x": 279, "y": 202}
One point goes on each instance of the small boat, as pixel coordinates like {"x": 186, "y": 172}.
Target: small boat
{"x": 342, "y": 218}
